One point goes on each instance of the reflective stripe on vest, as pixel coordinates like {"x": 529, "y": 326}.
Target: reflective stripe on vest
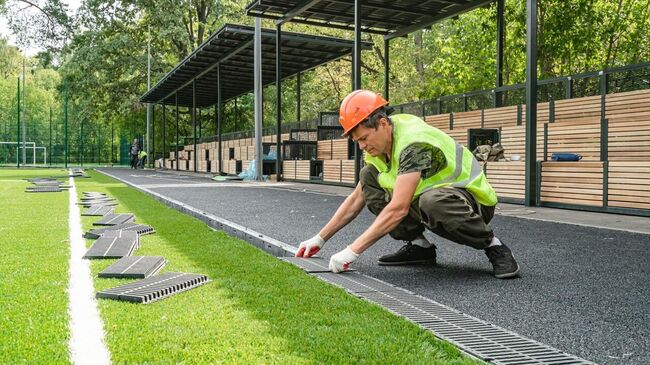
{"x": 462, "y": 170}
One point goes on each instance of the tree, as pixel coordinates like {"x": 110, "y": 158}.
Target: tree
{"x": 39, "y": 23}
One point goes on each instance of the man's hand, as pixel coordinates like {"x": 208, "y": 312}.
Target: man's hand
{"x": 342, "y": 260}
{"x": 310, "y": 247}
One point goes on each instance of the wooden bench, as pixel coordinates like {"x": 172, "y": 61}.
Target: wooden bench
{"x": 296, "y": 169}
{"x": 513, "y": 140}
{"x": 628, "y": 104}
{"x": 629, "y": 138}
{"x": 575, "y": 137}
{"x": 440, "y": 121}
{"x": 507, "y": 178}
{"x": 577, "y": 108}
{"x": 578, "y": 183}
{"x": 339, "y": 171}
{"x": 333, "y": 149}
{"x": 628, "y": 184}
{"x": 467, "y": 120}
{"x": 501, "y": 117}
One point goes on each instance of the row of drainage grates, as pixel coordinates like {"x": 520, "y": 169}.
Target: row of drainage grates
{"x": 52, "y": 184}
{"x": 117, "y": 237}
{"x": 476, "y": 337}
{"x": 481, "y": 339}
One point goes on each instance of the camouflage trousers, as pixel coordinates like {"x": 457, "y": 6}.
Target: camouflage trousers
{"x": 451, "y": 213}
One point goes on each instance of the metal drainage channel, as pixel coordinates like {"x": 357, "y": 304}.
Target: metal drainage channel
{"x": 134, "y": 267}
{"x": 155, "y": 288}
{"x": 115, "y": 219}
{"x": 117, "y": 245}
{"x": 141, "y": 229}
{"x": 97, "y": 210}
{"x": 476, "y": 337}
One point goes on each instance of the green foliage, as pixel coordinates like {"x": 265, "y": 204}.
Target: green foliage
{"x": 43, "y": 23}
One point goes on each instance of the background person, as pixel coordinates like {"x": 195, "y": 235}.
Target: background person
{"x": 142, "y": 159}
{"x": 416, "y": 176}
{"x": 134, "y": 151}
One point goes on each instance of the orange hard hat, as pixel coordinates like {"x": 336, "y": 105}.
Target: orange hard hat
{"x": 358, "y": 106}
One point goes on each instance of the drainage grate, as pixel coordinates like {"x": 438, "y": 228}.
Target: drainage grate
{"x": 139, "y": 228}
{"x": 155, "y": 287}
{"x": 48, "y": 183}
{"x": 96, "y": 199}
{"x": 479, "y": 338}
{"x": 310, "y": 265}
{"x": 106, "y": 202}
{"x": 114, "y": 219}
{"x": 114, "y": 246}
{"x": 43, "y": 189}
{"x": 43, "y": 180}
{"x": 98, "y": 210}
{"x": 134, "y": 267}
{"x": 355, "y": 282}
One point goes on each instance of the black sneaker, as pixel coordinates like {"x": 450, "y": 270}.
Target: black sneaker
{"x": 410, "y": 254}
{"x": 503, "y": 262}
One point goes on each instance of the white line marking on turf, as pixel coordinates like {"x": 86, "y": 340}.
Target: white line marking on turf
{"x": 86, "y": 343}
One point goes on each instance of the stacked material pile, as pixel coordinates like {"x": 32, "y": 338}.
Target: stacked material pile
{"x": 118, "y": 237}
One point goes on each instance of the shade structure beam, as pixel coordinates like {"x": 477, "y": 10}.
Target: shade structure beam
{"x": 278, "y": 100}
{"x": 298, "y": 9}
{"x": 225, "y": 57}
{"x": 434, "y": 19}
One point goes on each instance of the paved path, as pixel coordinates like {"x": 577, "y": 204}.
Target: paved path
{"x": 583, "y": 290}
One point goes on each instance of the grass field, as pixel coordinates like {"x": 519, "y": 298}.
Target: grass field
{"x": 256, "y": 309}
{"x": 33, "y": 271}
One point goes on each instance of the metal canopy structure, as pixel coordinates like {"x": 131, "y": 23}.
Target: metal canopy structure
{"x": 392, "y": 18}
{"x": 231, "y": 48}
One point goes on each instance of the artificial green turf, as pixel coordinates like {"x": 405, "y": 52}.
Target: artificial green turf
{"x": 256, "y": 310}
{"x": 33, "y": 270}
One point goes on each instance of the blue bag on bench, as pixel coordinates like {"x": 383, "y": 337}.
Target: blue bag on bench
{"x": 566, "y": 157}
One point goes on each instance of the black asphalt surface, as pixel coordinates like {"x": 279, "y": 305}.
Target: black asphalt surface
{"x": 583, "y": 290}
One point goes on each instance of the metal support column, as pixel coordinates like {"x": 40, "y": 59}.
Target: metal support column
{"x": 176, "y": 156}
{"x": 112, "y": 144}
{"x": 386, "y": 69}
{"x": 278, "y": 102}
{"x": 81, "y": 144}
{"x": 219, "y": 119}
{"x": 298, "y": 84}
{"x": 257, "y": 70}
{"x": 65, "y": 122}
{"x": 24, "y": 131}
{"x": 18, "y": 129}
{"x": 531, "y": 104}
{"x": 193, "y": 116}
{"x": 50, "y": 138}
{"x": 501, "y": 39}
{"x": 356, "y": 61}
{"x": 152, "y": 157}
{"x": 164, "y": 136}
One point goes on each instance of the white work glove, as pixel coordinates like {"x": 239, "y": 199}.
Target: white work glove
{"x": 310, "y": 247}
{"x": 342, "y": 260}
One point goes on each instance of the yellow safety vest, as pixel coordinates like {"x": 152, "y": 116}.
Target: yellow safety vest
{"x": 462, "y": 170}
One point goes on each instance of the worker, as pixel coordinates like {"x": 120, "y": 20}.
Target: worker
{"x": 415, "y": 176}
{"x": 142, "y": 158}
{"x": 133, "y": 151}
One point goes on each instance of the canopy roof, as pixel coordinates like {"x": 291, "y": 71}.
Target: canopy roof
{"x": 232, "y": 47}
{"x": 392, "y": 17}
